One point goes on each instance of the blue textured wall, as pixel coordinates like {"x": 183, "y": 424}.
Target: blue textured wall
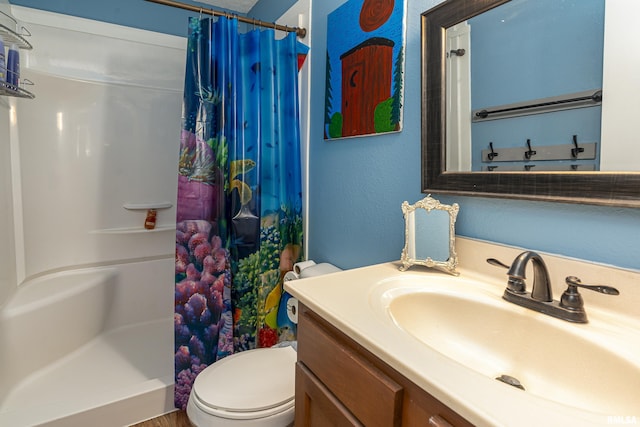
{"x": 358, "y": 184}
{"x": 270, "y": 10}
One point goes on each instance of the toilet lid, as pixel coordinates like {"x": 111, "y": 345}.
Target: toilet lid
{"x": 248, "y": 381}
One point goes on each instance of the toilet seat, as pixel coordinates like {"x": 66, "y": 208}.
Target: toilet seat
{"x": 248, "y": 385}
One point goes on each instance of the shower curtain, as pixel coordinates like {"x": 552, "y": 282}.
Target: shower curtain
{"x": 239, "y": 212}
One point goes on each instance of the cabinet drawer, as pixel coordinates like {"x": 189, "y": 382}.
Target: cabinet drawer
{"x": 369, "y": 394}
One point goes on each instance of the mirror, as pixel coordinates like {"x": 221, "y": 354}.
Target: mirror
{"x": 577, "y": 182}
{"x": 430, "y": 235}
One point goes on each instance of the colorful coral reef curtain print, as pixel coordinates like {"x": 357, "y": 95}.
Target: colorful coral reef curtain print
{"x": 239, "y": 213}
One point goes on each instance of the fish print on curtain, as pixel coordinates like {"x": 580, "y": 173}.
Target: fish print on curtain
{"x": 239, "y": 214}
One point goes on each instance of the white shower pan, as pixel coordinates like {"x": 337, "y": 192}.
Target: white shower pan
{"x": 74, "y": 353}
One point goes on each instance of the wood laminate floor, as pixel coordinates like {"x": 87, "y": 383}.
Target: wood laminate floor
{"x": 173, "y": 419}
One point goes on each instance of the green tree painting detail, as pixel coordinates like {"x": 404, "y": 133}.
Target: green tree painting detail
{"x": 396, "y": 105}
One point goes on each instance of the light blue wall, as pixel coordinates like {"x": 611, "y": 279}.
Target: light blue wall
{"x": 270, "y": 10}
{"x": 358, "y": 184}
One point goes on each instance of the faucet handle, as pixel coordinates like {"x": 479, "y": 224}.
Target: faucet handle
{"x": 571, "y": 298}
{"x": 603, "y": 289}
{"x": 514, "y": 284}
{"x": 497, "y": 263}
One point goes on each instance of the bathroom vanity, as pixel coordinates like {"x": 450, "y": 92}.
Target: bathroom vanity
{"x": 340, "y": 383}
{"x": 379, "y": 346}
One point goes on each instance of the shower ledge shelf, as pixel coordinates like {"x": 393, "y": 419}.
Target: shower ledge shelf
{"x": 145, "y": 206}
{"x": 133, "y": 230}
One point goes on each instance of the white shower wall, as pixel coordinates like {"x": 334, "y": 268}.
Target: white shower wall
{"x": 102, "y": 132}
{"x": 7, "y": 252}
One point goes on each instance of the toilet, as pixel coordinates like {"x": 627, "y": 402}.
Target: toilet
{"x": 246, "y": 389}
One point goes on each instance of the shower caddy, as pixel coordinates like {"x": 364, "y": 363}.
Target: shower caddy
{"x": 12, "y": 37}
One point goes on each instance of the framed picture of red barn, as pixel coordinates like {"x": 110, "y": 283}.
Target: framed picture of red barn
{"x": 365, "y": 68}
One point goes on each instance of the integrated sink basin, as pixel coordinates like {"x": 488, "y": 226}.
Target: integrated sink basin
{"x": 593, "y": 367}
{"x": 453, "y": 336}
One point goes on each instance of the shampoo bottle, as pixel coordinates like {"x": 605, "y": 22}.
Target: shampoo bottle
{"x": 13, "y": 66}
{"x": 150, "y": 221}
{"x": 3, "y": 63}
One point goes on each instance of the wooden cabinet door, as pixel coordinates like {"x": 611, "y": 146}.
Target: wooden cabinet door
{"x": 340, "y": 383}
{"x": 367, "y": 392}
{"x": 316, "y": 406}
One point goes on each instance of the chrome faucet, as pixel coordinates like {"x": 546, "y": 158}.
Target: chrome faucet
{"x": 570, "y": 307}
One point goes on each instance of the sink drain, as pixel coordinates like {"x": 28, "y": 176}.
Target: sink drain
{"x": 508, "y": 379}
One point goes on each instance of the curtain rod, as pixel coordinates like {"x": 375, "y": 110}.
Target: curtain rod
{"x": 301, "y": 32}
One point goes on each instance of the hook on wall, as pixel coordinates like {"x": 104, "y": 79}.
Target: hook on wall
{"x": 576, "y": 149}
{"x": 529, "y": 152}
{"x": 492, "y": 155}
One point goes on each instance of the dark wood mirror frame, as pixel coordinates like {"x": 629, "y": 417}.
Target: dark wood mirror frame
{"x": 600, "y": 188}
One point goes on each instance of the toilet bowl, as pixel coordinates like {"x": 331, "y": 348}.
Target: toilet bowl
{"x": 246, "y": 389}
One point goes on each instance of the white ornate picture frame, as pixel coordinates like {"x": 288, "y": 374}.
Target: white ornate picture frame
{"x": 439, "y": 230}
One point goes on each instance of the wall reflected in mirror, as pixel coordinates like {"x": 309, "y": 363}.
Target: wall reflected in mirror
{"x": 430, "y": 235}
{"x": 525, "y": 88}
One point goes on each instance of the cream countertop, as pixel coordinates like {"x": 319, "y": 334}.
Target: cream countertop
{"x": 344, "y": 299}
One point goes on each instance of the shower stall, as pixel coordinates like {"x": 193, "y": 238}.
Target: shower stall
{"x": 86, "y": 291}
